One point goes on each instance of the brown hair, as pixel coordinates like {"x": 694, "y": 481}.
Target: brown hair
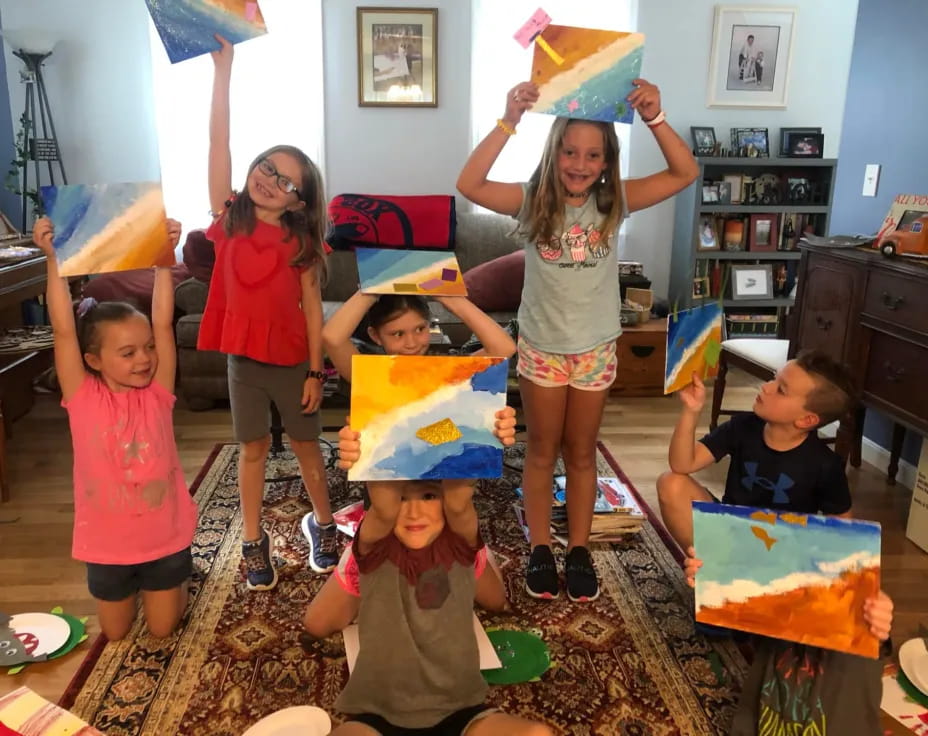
{"x": 92, "y": 314}
{"x": 391, "y": 306}
{"x": 834, "y": 393}
{"x": 546, "y": 212}
{"x": 307, "y": 224}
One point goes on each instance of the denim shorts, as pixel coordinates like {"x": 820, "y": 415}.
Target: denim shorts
{"x": 118, "y": 582}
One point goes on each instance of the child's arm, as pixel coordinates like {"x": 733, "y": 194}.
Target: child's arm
{"x": 162, "y": 317}
{"x": 69, "y": 363}
{"x": 380, "y": 518}
{"x": 472, "y": 181}
{"x": 490, "y": 593}
{"x": 311, "y": 298}
{"x": 220, "y": 156}
{"x": 686, "y": 454}
{"x": 460, "y": 514}
{"x": 337, "y": 332}
{"x": 682, "y": 168}
{"x": 496, "y": 341}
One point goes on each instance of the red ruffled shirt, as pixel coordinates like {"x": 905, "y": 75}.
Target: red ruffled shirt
{"x": 254, "y": 303}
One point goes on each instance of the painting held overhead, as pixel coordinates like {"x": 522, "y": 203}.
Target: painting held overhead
{"x": 100, "y": 228}
{"x": 394, "y": 271}
{"x": 588, "y": 75}
{"x": 427, "y": 417}
{"x": 797, "y": 577}
{"x": 187, "y": 27}
{"x": 694, "y": 344}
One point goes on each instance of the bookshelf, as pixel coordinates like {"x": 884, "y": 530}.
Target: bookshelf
{"x": 775, "y": 200}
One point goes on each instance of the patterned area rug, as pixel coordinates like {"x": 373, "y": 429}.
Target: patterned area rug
{"x": 628, "y": 664}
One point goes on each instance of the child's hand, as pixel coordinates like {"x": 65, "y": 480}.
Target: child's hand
{"x": 690, "y": 565}
{"x": 349, "y": 447}
{"x": 223, "y": 58}
{"x": 505, "y": 426}
{"x": 645, "y": 98}
{"x": 878, "y": 613}
{"x": 457, "y": 494}
{"x": 312, "y": 395}
{"x": 174, "y": 228}
{"x": 519, "y": 99}
{"x": 43, "y": 234}
{"x": 694, "y": 395}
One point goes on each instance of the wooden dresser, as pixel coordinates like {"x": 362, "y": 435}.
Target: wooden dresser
{"x": 871, "y": 312}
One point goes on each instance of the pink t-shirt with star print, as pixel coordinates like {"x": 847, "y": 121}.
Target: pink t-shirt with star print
{"x": 131, "y": 502}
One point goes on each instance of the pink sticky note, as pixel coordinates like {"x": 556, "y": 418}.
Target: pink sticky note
{"x": 251, "y": 11}
{"x": 535, "y": 25}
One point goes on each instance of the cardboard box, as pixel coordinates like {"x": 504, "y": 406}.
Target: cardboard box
{"x": 917, "y": 528}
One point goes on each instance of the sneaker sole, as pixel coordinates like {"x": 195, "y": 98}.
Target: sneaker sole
{"x": 542, "y": 596}
{"x": 584, "y": 598}
{"x": 304, "y": 527}
{"x": 268, "y": 586}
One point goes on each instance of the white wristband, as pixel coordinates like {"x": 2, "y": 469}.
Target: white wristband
{"x": 656, "y": 120}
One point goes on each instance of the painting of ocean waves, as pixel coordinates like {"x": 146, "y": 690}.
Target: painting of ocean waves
{"x": 187, "y": 27}
{"x": 394, "y": 271}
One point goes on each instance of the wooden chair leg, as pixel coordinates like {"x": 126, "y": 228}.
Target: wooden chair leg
{"x": 894, "y": 453}
{"x": 857, "y": 446}
{"x": 718, "y": 391}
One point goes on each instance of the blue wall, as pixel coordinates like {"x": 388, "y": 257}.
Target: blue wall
{"x": 887, "y": 111}
{"x": 10, "y": 204}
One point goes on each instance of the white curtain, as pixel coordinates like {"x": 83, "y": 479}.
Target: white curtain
{"x": 277, "y": 97}
{"x": 499, "y": 63}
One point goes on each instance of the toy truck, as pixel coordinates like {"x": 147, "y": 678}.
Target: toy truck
{"x": 909, "y": 240}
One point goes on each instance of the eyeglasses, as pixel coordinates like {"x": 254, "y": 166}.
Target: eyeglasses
{"x": 283, "y": 183}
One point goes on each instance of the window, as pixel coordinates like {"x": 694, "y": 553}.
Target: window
{"x": 277, "y": 97}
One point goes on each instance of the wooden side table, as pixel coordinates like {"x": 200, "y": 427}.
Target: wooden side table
{"x": 641, "y": 352}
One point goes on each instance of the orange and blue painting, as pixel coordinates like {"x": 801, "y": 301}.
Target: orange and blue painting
{"x": 187, "y": 27}
{"x": 586, "y": 73}
{"x": 101, "y": 228}
{"x": 798, "y": 577}
{"x": 427, "y": 416}
{"x": 395, "y": 271}
{"x": 694, "y": 345}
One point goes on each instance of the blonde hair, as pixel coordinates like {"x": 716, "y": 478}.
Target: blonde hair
{"x": 546, "y": 209}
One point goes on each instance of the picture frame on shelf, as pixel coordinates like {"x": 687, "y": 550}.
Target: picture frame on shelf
{"x": 762, "y": 233}
{"x": 700, "y": 287}
{"x": 805, "y": 145}
{"x": 734, "y": 180}
{"x": 703, "y": 140}
{"x": 710, "y": 194}
{"x": 750, "y": 142}
{"x": 753, "y": 281}
{"x": 724, "y": 192}
{"x": 749, "y": 63}
{"x": 785, "y": 133}
{"x": 798, "y": 190}
{"x": 708, "y": 237}
{"x": 397, "y": 57}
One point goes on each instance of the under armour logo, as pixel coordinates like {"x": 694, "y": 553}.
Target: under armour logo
{"x": 784, "y": 482}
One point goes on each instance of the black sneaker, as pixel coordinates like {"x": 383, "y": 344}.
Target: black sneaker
{"x": 582, "y": 584}
{"x": 260, "y": 572}
{"x": 323, "y": 545}
{"x": 541, "y": 574}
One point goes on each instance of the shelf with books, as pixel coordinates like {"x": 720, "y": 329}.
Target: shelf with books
{"x": 777, "y": 301}
{"x": 735, "y": 209}
{"x": 725, "y": 255}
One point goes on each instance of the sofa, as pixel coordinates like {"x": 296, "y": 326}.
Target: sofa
{"x": 494, "y": 284}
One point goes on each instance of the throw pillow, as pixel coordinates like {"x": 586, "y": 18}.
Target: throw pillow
{"x": 496, "y": 286}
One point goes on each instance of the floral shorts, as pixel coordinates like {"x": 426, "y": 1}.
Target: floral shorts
{"x": 593, "y": 370}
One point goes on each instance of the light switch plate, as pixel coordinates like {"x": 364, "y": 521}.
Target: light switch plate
{"x": 871, "y": 178}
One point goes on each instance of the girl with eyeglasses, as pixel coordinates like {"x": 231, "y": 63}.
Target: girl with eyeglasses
{"x": 264, "y": 310}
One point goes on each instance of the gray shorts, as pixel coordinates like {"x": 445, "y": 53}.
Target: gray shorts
{"x": 254, "y": 385}
{"x": 118, "y": 582}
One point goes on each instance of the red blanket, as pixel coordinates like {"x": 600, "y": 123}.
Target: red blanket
{"x": 425, "y": 221}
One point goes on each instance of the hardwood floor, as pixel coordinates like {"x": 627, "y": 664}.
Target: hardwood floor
{"x": 35, "y": 526}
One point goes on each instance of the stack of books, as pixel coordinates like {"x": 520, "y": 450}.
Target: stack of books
{"x": 615, "y": 513}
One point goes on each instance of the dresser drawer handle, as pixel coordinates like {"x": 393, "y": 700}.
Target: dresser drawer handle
{"x": 642, "y": 351}
{"x": 892, "y": 302}
{"x": 893, "y": 374}
{"x": 823, "y": 324}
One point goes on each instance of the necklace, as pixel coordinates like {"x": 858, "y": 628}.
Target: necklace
{"x": 581, "y": 196}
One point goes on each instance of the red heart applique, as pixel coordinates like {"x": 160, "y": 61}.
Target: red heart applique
{"x": 254, "y": 265}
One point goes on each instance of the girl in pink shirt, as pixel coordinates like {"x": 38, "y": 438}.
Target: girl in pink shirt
{"x": 133, "y": 515}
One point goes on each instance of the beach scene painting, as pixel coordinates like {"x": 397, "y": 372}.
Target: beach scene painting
{"x": 100, "y": 228}
{"x": 798, "y": 577}
{"x": 187, "y": 27}
{"x": 590, "y": 73}
{"x": 427, "y": 416}
{"x": 694, "y": 345}
{"x": 394, "y": 271}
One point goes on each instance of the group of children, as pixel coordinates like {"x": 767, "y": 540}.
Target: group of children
{"x": 418, "y": 563}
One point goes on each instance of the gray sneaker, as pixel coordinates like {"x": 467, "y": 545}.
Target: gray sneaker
{"x": 259, "y": 567}
{"x": 323, "y": 545}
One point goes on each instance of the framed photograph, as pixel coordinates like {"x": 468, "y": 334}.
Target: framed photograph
{"x": 710, "y": 193}
{"x": 798, "y": 190}
{"x": 805, "y": 145}
{"x": 753, "y": 281}
{"x": 750, "y": 58}
{"x": 700, "y": 287}
{"x": 703, "y": 141}
{"x": 734, "y": 181}
{"x": 785, "y": 133}
{"x": 750, "y": 142}
{"x": 724, "y": 192}
{"x": 397, "y": 57}
{"x": 708, "y": 236}
{"x": 762, "y": 235}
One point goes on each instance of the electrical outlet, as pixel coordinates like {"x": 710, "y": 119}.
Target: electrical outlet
{"x": 871, "y": 178}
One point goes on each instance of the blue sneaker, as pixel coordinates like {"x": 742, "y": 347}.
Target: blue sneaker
{"x": 323, "y": 545}
{"x": 260, "y": 572}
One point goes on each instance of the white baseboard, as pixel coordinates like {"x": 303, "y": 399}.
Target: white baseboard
{"x": 878, "y": 456}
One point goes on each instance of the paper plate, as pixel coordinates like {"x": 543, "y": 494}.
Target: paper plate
{"x": 75, "y": 636}
{"x": 913, "y": 659}
{"x": 524, "y": 657}
{"x": 52, "y": 631}
{"x": 301, "y": 720}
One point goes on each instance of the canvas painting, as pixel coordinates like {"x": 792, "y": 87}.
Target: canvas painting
{"x": 101, "y": 228}
{"x": 187, "y": 27}
{"x": 392, "y": 271}
{"x": 427, "y": 416}
{"x": 798, "y": 577}
{"x": 694, "y": 344}
{"x": 594, "y": 75}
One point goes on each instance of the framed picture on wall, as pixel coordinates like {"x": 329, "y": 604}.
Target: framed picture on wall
{"x": 397, "y": 57}
{"x": 750, "y": 58}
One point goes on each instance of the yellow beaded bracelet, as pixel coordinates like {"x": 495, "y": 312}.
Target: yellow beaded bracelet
{"x": 505, "y": 127}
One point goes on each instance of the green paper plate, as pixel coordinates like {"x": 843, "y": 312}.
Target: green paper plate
{"x": 524, "y": 657}
{"x": 910, "y": 690}
{"x": 74, "y": 638}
